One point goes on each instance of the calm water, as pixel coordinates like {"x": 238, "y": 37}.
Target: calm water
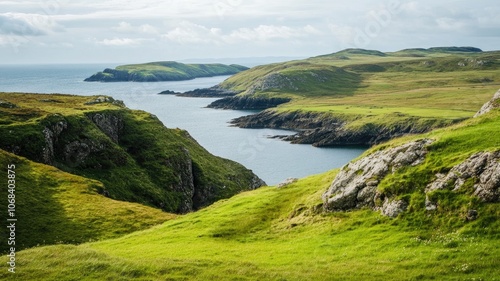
{"x": 272, "y": 159}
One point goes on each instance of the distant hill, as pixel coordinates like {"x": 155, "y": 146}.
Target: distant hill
{"x": 163, "y": 71}
{"x": 363, "y": 97}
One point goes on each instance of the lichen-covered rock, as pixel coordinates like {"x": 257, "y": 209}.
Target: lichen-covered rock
{"x": 482, "y": 167}
{"x": 356, "y": 184}
{"x": 286, "y": 182}
{"x": 487, "y": 107}
{"x": 110, "y": 124}
{"x": 51, "y": 134}
{"x": 393, "y": 208}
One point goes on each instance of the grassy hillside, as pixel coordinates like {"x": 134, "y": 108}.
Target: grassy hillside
{"x": 439, "y": 85}
{"x": 130, "y": 152}
{"x": 283, "y": 233}
{"x": 54, "y": 207}
{"x": 163, "y": 71}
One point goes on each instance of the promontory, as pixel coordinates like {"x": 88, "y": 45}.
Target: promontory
{"x": 163, "y": 71}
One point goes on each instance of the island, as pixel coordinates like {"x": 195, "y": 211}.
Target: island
{"x": 163, "y": 71}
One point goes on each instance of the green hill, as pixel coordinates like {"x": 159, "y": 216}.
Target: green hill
{"x": 361, "y": 96}
{"x": 54, "y": 207}
{"x": 163, "y": 71}
{"x": 130, "y": 152}
{"x": 290, "y": 233}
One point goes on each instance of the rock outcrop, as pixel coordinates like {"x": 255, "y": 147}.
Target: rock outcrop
{"x": 490, "y": 105}
{"x": 325, "y": 129}
{"x": 482, "y": 168}
{"x": 356, "y": 184}
{"x": 247, "y": 103}
{"x": 110, "y": 124}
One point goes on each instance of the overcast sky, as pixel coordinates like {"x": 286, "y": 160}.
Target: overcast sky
{"x": 125, "y": 31}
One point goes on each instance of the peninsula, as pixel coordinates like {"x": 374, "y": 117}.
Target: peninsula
{"x": 163, "y": 71}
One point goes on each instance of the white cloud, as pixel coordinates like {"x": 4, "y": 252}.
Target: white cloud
{"x": 27, "y": 24}
{"x": 125, "y": 27}
{"x": 188, "y": 32}
{"x": 120, "y": 42}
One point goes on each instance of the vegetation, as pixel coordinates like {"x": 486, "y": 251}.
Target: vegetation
{"x": 130, "y": 152}
{"x": 54, "y": 207}
{"x": 163, "y": 71}
{"x": 438, "y": 86}
{"x": 283, "y": 234}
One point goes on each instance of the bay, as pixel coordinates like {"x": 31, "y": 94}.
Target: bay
{"x": 272, "y": 159}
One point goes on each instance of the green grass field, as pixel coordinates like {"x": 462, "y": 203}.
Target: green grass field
{"x": 373, "y": 87}
{"x": 283, "y": 234}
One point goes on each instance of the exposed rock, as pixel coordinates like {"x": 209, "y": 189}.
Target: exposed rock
{"x": 185, "y": 184}
{"x": 393, "y": 208}
{"x": 101, "y": 99}
{"x": 51, "y": 135}
{"x": 76, "y": 152}
{"x": 483, "y": 168}
{"x": 168, "y": 92}
{"x": 356, "y": 184}
{"x": 212, "y": 92}
{"x": 490, "y": 105}
{"x": 471, "y": 215}
{"x": 325, "y": 129}
{"x": 6, "y": 104}
{"x": 247, "y": 103}
{"x": 105, "y": 99}
{"x": 286, "y": 182}
{"x": 110, "y": 124}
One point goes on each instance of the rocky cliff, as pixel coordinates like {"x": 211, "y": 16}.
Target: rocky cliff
{"x": 131, "y": 152}
{"x": 326, "y": 129}
{"x": 247, "y": 103}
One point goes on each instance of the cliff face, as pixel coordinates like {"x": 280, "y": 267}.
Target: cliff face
{"x": 132, "y": 153}
{"x": 325, "y": 129}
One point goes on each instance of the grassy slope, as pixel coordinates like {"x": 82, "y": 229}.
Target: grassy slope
{"x": 373, "y": 87}
{"x": 56, "y": 207}
{"x": 279, "y": 234}
{"x": 167, "y": 71}
{"x": 132, "y": 170}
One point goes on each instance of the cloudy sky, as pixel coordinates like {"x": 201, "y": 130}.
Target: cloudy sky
{"x": 126, "y": 31}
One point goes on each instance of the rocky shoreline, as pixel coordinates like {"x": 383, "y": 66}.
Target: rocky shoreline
{"x": 326, "y": 130}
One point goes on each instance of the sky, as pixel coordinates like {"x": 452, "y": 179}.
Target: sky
{"x": 125, "y": 31}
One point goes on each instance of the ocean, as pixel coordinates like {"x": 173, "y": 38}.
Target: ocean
{"x": 271, "y": 159}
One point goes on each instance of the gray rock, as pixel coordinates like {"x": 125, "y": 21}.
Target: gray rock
{"x": 286, "y": 182}
{"x": 393, "y": 208}
{"x": 355, "y": 186}
{"x": 51, "y": 135}
{"x": 482, "y": 167}
{"x": 109, "y": 124}
{"x": 490, "y": 105}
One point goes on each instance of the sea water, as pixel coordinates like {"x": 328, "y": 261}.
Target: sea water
{"x": 271, "y": 159}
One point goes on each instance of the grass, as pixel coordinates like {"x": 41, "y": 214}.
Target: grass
{"x": 148, "y": 163}
{"x": 282, "y": 234}
{"x": 163, "y": 71}
{"x": 54, "y": 207}
{"x": 440, "y": 84}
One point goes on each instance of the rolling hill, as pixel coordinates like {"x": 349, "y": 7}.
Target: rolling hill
{"x": 446, "y": 226}
{"x": 163, "y": 71}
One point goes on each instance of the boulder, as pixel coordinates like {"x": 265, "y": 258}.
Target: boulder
{"x": 356, "y": 184}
